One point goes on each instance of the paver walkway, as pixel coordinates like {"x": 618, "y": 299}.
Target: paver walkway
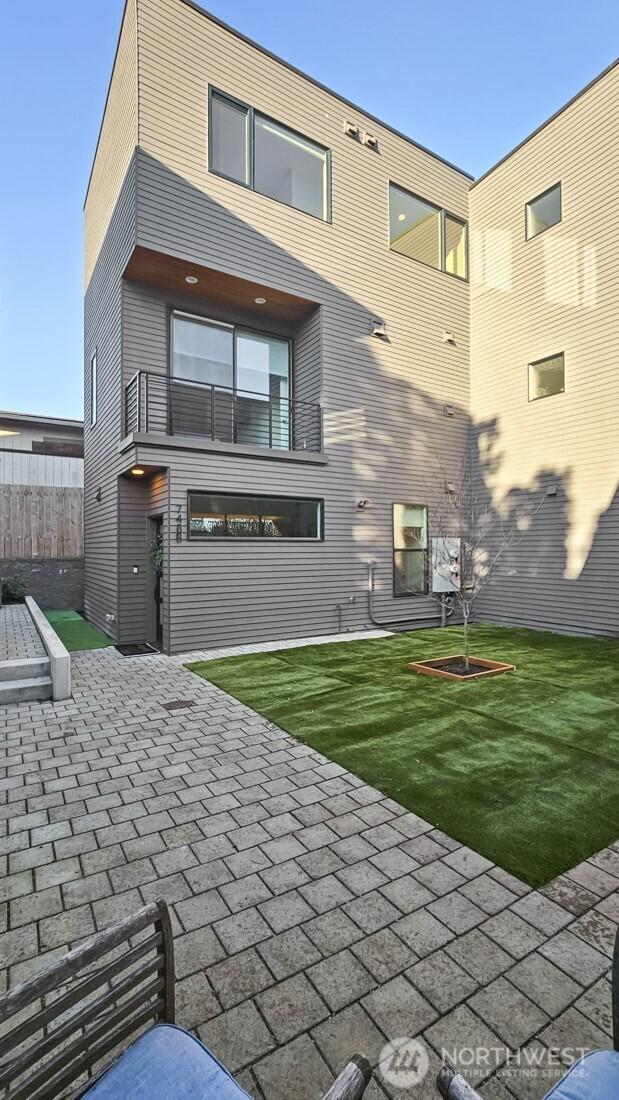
{"x": 312, "y": 916}
{"x": 18, "y": 634}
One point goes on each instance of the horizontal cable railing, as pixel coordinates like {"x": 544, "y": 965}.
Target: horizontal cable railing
{"x": 161, "y": 404}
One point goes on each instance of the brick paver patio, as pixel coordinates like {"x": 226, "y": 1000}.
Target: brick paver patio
{"x": 18, "y": 634}
{"x": 312, "y": 916}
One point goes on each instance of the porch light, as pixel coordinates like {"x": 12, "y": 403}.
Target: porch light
{"x": 137, "y": 471}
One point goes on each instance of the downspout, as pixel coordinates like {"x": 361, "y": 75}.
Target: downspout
{"x": 396, "y": 622}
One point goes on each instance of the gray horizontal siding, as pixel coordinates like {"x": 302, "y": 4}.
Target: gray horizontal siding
{"x": 103, "y": 332}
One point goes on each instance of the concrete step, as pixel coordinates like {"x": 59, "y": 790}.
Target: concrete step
{"x": 24, "y": 668}
{"x": 25, "y": 691}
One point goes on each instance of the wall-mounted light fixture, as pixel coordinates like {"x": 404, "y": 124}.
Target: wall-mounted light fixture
{"x": 378, "y": 328}
{"x": 362, "y": 504}
{"x": 370, "y": 140}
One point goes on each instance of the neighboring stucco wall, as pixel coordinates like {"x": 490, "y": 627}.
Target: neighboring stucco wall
{"x": 558, "y": 292}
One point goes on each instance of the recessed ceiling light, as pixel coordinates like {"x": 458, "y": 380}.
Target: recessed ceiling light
{"x": 401, "y": 217}
{"x": 259, "y": 301}
{"x": 137, "y": 471}
{"x": 191, "y": 279}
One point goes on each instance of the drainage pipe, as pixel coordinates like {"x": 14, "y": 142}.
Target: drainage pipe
{"x": 431, "y": 620}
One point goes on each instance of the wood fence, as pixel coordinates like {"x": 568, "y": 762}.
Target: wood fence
{"x": 41, "y": 521}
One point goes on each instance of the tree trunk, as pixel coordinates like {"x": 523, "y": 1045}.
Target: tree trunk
{"x": 465, "y": 617}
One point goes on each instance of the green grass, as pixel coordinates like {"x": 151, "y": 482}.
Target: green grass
{"x": 75, "y": 632}
{"x": 523, "y": 768}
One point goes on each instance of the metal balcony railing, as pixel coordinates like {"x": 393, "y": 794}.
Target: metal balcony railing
{"x": 156, "y": 403}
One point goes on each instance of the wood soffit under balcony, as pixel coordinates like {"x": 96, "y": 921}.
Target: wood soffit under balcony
{"x": 216, "y": 287}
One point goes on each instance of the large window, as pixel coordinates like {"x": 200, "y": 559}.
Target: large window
{"x": 93, "y": 389}
{"x": 546, "y": 377}
{"x": 410, "y": 549}
{"x": 427, "y": 233}
{"x": 252, "y": 149}
{"x": 213, "y": 515}
{"x": 543, "y": 211}
{"x": 230, "y": 382}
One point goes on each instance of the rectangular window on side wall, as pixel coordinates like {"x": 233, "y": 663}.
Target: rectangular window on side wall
{"x": 547, "y": 377}
{"x": 93, "y": 389}
{"x": 543, "y": 212}
{"x": 250, "y": 148}
{"x": 427, "y": 233}
{"x": 217, "y": 515}
{"x": 410, "y": 550}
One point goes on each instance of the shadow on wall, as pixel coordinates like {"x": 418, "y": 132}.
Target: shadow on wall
{"x": 532, "y": 585}
{"x": 385, "y": 435}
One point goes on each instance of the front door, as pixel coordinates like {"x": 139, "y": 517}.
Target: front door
{"x": 156, "y": 567}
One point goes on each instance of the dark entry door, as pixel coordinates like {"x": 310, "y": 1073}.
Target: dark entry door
{"x": 156, "y": 562}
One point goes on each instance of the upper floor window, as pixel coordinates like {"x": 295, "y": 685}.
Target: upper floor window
{"x": 93, "y": 389}
{"x": 249, "y": 148}
{"x": 543, "y": 211}
{"x": 427, "y": 233}
{"x": 547, "y": 377}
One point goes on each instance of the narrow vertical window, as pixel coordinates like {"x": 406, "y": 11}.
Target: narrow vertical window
{"x": 229, "y": 139}
{"x": 455, "y": 246}
{"x": 410, "y": 549}
{"x": 93, "y": 389}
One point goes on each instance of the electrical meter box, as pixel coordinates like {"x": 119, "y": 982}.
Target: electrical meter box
{"x": 446, "y": 565}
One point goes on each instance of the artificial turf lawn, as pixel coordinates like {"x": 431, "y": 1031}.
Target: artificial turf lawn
{"x": 523, "y": 767}
{"x": 75, "y": 632}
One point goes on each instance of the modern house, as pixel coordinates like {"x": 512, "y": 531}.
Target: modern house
{"x": 41, "y": 507}
{"x": 299, "y": 324}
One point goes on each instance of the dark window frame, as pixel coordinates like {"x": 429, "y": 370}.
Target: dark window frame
{"x": 536, "y": 363}
{"x": 252, "y": 112}
{"x": 532, "y": 236}
{"x": 267, "y": 539}
{"x": 443, "y": 214}
{"x": 94, "y": 388}
{"x": 234, "y": 327}
{"x": 395, "y": 550}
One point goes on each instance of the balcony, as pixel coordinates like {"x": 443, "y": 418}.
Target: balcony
{"x": 161, "y": 405}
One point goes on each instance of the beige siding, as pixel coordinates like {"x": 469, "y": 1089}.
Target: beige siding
{"x": 116, "y": 144}
{"x": 558, "y": 292}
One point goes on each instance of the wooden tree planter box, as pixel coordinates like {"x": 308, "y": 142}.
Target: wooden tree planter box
{"x": 480, "y": 668}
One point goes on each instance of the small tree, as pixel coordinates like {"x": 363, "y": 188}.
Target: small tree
{"x": 484, "y": 536}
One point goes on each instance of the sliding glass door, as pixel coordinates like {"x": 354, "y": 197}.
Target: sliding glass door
{"x": 229, "y": 383}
